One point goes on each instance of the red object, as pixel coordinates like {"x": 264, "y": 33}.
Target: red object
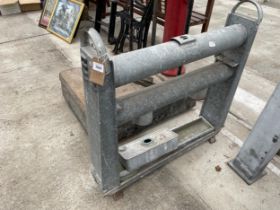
{"x": 175, "y": 23}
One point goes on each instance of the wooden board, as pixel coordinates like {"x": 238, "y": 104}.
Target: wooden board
{"x": 73, "y": 92}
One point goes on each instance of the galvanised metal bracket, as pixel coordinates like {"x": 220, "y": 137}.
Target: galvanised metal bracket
{"x": 115, "y": 167}
{"x": 262, "y": 144}
{"x": 183, "y": 39}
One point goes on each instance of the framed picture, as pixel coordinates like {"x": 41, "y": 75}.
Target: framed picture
{"x": 47, "y": 13}
{"x": 65, "y": 19}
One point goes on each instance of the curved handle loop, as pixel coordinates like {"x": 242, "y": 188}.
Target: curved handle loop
{"x": 259, "y": 9}
{"x": 93, "y": 39}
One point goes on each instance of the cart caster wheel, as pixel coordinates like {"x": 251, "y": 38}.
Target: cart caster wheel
{"x": 212, "y": 140}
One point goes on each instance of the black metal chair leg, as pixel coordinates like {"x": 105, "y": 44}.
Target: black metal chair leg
{"x": 124, "y": 38}
{"x": 146, "y": 33}
{"x": 118, "y": 40}
{"x": 140, "y": 39}
{"x": 111, "y": 38}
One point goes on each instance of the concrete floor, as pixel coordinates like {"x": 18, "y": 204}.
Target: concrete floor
{"x": 44, "y": 157}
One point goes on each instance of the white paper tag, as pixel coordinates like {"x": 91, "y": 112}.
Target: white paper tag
{"x": 98, "y": 67}
{"x": 212, "y": 44}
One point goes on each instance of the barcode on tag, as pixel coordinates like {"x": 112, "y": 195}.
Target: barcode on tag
{"x": 98, "y": 67}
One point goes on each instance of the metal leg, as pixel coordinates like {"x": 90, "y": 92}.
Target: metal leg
{"x": 101, "y": 4}
{"x": 140, "y": 39}
{"x": 262, "y": 144}
{"x": 219, "y": 96}
{"x": 100, "y": 112}
{"x": 154, "y": 27}
{"x": 131, "y": 25}
{"x": 111, "y": 36}
{"x": 120, "y": 37}
{"x": 123, "y": 38}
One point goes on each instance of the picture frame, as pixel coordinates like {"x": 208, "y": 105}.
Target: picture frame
{"x": 65, "y": 19}
{"x": 46, "y": 13}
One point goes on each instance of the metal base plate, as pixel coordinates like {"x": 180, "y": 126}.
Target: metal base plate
{"x": 147, "y": 148}
{"x": 248, "y": 180}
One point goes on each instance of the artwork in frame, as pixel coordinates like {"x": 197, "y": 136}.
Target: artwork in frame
{"x": 65, "y": 19}
{"x": 47, "y": 13}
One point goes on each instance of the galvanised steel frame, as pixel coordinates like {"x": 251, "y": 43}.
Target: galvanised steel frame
{"x": 230, "y": 45}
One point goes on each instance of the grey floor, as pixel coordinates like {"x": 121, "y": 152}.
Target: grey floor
{"x": 44, "y": 157}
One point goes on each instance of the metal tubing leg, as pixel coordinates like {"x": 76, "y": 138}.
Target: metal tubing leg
{"x": 101, "y": 4}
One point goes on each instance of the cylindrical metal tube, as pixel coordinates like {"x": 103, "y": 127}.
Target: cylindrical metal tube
{"x": 154, "y": 97}
{"x": 138, "y": 64}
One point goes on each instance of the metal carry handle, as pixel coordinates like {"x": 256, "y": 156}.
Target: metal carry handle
{"x": 91, "y": 37}
{"x": 259, "y": 9}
